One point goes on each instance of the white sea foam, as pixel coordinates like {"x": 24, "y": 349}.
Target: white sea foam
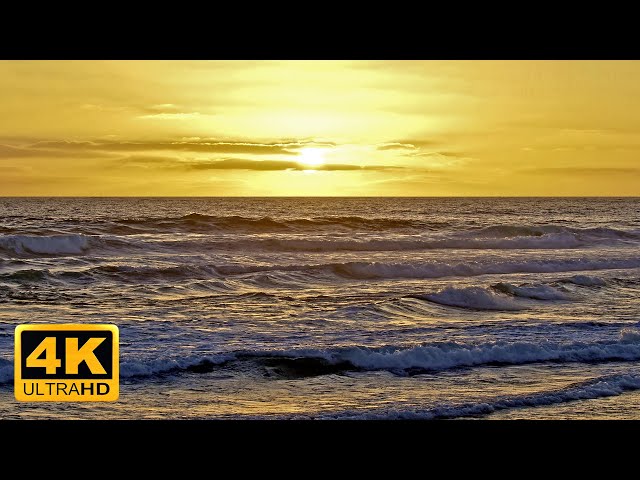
{"x": 474, "y": 298}
{"x": 585, "y": 280}
{"x": 49, "y": 244}
{"x": 143, "y": 368}
{"x": 537, "y": 292}
{"x": 429, "y": 357}
{"x": 630, "y": 335}
{"x": 453, "y": 355}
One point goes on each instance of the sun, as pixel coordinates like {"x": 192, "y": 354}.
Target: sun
{"x": 311, "y": 157}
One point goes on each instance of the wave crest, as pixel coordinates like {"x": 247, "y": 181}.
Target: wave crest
{"x": 46, "y": 244}
{"x": 536, "y": 292}
{"x": 203, "y": 222}
{"x": 474, "y": 298}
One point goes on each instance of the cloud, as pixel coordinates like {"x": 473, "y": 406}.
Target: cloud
{"x": 436, "y": 154}
{"x": 396, "y": 146}
{"x": 9, "y": 151}
{"x": 102, "y": 108}
{"x": 414, "y": 143}
{"x": 202, "y": 145}
{"x": 279, "y": 165}
{"x": 147, "y": 161}
{"x": 6, "y": 170}
{"x": 582, "y": 171}
{"x": 241, "y": 164}
{"x": 12, "y": 151}
{"x": 163, "y": 108}
{"x": 170, "y": 116}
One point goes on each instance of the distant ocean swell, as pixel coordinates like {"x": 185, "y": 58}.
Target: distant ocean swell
{"x": 435, "y": 269}
{"x": 196, "y": 223}
{"x": 422, "y": 238}
{"x": 347, "y": 271}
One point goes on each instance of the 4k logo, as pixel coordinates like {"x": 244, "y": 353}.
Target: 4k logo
{"x": 66, "y": 363}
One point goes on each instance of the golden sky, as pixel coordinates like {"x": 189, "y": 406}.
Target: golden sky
{"x": 392, "y": 128}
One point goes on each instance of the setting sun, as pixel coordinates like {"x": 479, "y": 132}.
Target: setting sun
{"x": 311, "y": 157}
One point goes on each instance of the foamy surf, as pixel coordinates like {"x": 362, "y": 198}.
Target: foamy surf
{"x": 585, "y": 280}
{"x": 472, "y": 297}
{"x": 536, "y": 292}
{"x": 436, "y": 356}
{"x": 48, "y": 245}
{"x": 146, "y": 368}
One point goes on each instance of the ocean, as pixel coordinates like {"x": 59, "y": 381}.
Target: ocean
{"x": 336, "y": 308}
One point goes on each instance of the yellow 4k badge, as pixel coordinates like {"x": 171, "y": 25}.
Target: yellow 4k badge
{"x": 66, "y": 363}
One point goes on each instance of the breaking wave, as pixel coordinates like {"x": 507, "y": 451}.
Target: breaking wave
{"x": 48, "y": 245}
{"x": 585, "y": 280}
{"x": 536, "y": 292}
{"x": 434, "y": 356}
{"x": 475, "y": 298}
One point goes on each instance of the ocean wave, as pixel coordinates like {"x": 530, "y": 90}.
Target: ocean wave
{"x": 396, "y": 242}
{"x": 286, "y": 239}
{"x": 46, "y": 244}
{"x": 198, "y": 222}
{"x": 145, "y": 368}
{"x": 537, "y": 292}
{"x": 125, "y": 273}
{"x": 429, "y": 357}
{"x": 25, "y": 276}
{"x": 630, "y": 335}
{"x": 551, "y": 241}
{"x": 376, "y": 270}
{"x": 475, "y": 298}
{"x": 380, "y": 270}
{"x": 353, "y": 271}
{"x": 585, "y": 280}
{"x": 606, "y": 386}
{"x": 507, "y": 231}
{"x": 168, "y": 272}
{"x": 428, "y": 233}
{"x": 444, "y": 356}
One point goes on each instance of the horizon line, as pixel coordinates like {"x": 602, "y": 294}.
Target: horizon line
{"x": 319, "y": 196}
